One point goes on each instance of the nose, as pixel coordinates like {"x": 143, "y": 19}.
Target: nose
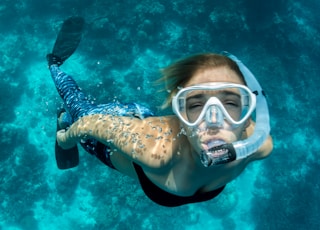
{"x": 214, "y": 117}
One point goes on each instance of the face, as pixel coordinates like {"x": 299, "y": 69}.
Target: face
{"x": 204, "y": 137}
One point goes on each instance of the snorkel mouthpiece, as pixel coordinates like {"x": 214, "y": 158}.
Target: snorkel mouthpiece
{"x": 217, "y": 155}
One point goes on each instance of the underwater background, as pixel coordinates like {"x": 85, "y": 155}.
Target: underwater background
{"x": 125, "y": 43}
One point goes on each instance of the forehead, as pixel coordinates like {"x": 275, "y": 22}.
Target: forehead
{"x": 218, "y": 74}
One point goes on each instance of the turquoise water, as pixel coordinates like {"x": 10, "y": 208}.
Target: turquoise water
{"x": 124, "y": 45}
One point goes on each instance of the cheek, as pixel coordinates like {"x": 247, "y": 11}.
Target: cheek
{"x": 193, "y": 137}
{"x": 194, "y": 141}
{"x": 239, "y": 131}
{"x": 231, "y": 136}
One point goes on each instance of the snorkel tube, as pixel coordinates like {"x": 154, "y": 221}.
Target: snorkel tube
{"x": 241, "y": 149}
{"x": 250, "y": 145}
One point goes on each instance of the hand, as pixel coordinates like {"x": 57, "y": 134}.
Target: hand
{"x": 63, "y": 141}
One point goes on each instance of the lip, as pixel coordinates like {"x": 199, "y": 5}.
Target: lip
{"x": 206, "y": 145}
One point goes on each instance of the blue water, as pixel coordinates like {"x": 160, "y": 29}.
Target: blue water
{"x": 124, "y": 45}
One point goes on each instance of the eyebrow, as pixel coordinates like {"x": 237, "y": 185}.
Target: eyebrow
{"x": 223, "y": 93}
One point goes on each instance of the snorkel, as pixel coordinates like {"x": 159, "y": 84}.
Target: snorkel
{"x": 250, "y": 145}
{"x": 226, "y": 153}
{"x": 223, "y": 153}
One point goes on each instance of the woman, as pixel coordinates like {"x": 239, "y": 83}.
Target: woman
{"x": 180, "y": 159}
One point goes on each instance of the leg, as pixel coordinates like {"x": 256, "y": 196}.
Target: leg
{"x": 78, "y": 106}
{"x": 75, "y": 100}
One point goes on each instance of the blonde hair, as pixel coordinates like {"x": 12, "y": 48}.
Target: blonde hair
{"x": 181, "y": 71}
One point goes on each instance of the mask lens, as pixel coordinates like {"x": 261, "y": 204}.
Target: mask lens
{"x": 232, "y": 101}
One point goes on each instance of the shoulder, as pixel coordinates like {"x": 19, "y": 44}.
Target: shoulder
{"x": 161, "y": 137}
{"x": 152, "y": 142}
{"x": 266, "y": 148}
{"x": 164, "y": 121}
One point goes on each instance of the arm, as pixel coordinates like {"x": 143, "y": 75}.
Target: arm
{"x": 150, "y": 142}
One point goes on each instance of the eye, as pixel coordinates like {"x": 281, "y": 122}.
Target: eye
{"x": 231, "y": 103}
{"x": 195, "y": 106}
{"x": 193, "y": 110}
{"x": 195, "y": 102}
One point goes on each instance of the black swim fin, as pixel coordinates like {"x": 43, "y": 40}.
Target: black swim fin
{"x": 66, "y": 158}
{"x": 67, "y": 41}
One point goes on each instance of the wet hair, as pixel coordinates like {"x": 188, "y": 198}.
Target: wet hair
{"x": 180, "y": 72}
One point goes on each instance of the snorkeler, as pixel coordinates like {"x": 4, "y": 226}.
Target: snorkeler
{"x": 184, "y": 158}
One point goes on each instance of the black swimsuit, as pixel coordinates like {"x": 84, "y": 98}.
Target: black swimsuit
{"x": 164, "y": 198}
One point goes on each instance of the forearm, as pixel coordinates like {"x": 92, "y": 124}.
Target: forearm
{"x": 107, "y": 129}
{"x": 148, "y": 141}
{"x": 84, "y": 128}
{"x": 132, "y": 136}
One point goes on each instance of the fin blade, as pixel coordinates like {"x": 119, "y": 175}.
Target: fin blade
{"x": 66, "y": 158}
{"x": 69, "y": 37}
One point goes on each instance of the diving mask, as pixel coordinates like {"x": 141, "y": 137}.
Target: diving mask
{"x": 214, "y": 103}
